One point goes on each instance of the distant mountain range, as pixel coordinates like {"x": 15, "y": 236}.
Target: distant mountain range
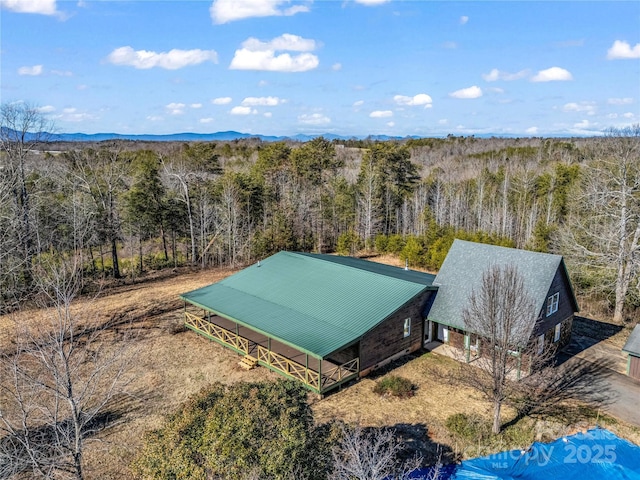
{"x": 218, "y": 137}
{"x": 201, "y": 137}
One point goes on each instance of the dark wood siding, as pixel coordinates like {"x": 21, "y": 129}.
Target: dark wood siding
{"x": 634, "y": 367}
{"x": 565, "y": 310}
{"x": 387, "y": 339}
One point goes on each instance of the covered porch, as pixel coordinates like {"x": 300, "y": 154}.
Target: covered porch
{"x": 318, "y": 374}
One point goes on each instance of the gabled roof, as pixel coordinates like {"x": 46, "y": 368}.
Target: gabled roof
{"x": 465, "y": 264}
{"x": 315, "y": 303}
{"x": 633, "y": 342}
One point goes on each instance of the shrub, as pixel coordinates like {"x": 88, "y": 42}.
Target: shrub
{"x": 226, "y": 432}
{"x": 467, "y": 427}
{"x": 395, "y": 386}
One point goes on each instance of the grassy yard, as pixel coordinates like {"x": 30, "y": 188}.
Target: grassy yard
{"x": 172, "y": 363}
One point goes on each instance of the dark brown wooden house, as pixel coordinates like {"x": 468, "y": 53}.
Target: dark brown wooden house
{"x": 545, "y": 277}
{"x": 320, "y": 319}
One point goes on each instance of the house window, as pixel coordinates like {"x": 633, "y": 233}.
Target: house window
{"x": 407, "y": 327}
{"x": 445, "y": 335}
{"x": 540, "y": 344}
{"x": 552, "y": 303}
{"x": 556, "y": 335}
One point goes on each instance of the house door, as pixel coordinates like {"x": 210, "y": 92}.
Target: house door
{"x": 428, "y": 332}
{"x": 440, "y": 332}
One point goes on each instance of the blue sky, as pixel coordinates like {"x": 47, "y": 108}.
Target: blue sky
{"x": 349, "y": 67}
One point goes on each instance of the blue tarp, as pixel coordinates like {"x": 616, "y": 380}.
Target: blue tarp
{"x": 594, "y": 455}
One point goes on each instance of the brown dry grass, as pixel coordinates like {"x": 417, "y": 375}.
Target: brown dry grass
{"x": 169, "y": 367}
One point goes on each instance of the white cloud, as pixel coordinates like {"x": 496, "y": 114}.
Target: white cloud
{"x": 223, "y": 11}
{"x": 258, "y": 55}
{"x": 358, "y": 103}
{"x": 622, "y": 50}
{"x": 496, "y": 74}
{"x": 247, "y": 60}
{"x": 222, "y": 101}
{"x": 464, "y": 19}
{"x": 336, "y": 67}
{"x": 370, "y": 3}
{"x": 628, "y": 115}
{"x": 43, "y": 7}
{"x": 82, "y": 87}
{"x": 285, "y": 41}
{"x": 175, "y": 108}
{"x": 47, "y": 109}
{"x": 33, "y": 71}
{"x": 584, "y": 124}
{"x": 416, "y": 100}
{"x": 155, "y": 118}
{"x": 553, "y": 74}
{"x": 262, "y": 101}
{"x": 620, "y": 101}
{"x": 267, "y": 114}
{"x": 470, "y": 92}
{"x": 586, "y": 107}
{"x": 314, "y": 119}
{"x": 381, "y": 114}
{"x": 532, "y": 130}
{"x": 171, "y": 60}
{"x": 71, "y": 114}
{"x": 450, "y": 45}
{"x": 62, "y": 73}
{"x": 443, "y": 121}
{"x": 206, "y": 120}
{"x": 239, "y": 110}
{"x": 196, "y": 105}
{"x": 391, "y": 124}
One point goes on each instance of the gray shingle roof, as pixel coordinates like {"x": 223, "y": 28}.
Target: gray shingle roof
{"x": 633, "y": 342}
{"x": 464, "y": 266}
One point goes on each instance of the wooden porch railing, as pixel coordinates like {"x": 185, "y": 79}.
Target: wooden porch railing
{"x": 340, "y": 373}
{"x": 214, "y": 331}
{"x": 318, "y": 382}
{"x": 289, "y": 367}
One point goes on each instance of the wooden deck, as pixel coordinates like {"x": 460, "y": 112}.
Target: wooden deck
{"x": 318, "y": 375}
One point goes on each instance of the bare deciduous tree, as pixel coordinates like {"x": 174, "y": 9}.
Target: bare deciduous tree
{"x": 501, "y": 313}
{"x": 23, "y": 128}
{"x": 604, "y": 229}
{"x": 58, "y": 382}
{"x": 371, "y": 454}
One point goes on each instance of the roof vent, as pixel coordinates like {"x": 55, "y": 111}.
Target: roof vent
{"x": 406, "y": 264}
{"x": 258, "y": 263}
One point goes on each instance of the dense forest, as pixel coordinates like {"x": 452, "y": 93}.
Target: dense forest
{"x": 124, "y": 208}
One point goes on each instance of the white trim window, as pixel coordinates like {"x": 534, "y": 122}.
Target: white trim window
{"x": 556, "y": 333}
{"x": 552, "y": 303}
{"x": 540, "y": 344}
{"x": 407, "y": 327}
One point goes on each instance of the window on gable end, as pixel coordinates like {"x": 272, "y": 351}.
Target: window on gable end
{"x": 552, "y": 303}
{"x": 407, "y": 327}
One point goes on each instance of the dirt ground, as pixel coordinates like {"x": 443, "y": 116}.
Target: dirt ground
{"x": 172, "y": 364}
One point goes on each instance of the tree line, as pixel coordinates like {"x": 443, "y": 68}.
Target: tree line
{"x": 126, "y": 207}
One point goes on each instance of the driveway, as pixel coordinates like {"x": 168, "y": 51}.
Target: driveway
{"x": 604, "y": 381}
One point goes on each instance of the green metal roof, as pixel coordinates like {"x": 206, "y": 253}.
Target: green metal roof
{"x": 633, "y": 342}
{"x": 313, "y": 302}
{"x": 464, "y": 266}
